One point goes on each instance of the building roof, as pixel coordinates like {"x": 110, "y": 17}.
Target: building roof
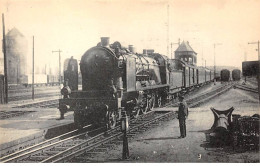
{"x": 14, "y": 32}
{"x": 184, "y": 47}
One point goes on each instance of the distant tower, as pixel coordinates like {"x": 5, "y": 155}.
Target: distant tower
{"x": 186, "y": 53}
{"x": 16, "y": 51}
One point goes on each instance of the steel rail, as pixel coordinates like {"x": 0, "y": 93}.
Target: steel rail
{"x": 202, "y": 96}
{"x": 10, "y": 114}
{"x": 246, "y": 88}
{"x": 39, "y": 104}
{"x": 48, "y": 144}
{"x": 82, "y": 149}
{"x": 209, "y": 97}
{"x": 89, "y": 144}
{"x": 26, "y": 97}
{"x": 45, "y": 144}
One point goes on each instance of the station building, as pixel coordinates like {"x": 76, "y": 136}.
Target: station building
{"x": 186, "y": 53}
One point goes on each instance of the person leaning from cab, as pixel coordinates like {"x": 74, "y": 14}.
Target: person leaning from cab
{"x": 182, "y": 115}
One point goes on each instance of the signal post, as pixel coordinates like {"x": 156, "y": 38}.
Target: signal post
{"x": 124, "y": 129}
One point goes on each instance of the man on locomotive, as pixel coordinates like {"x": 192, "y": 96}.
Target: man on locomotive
{"x": 182, "y": 115}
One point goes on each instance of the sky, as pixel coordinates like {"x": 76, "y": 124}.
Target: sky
{"x": 74, "y": 26}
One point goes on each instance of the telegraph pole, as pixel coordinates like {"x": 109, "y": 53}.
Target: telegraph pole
{"x": 202, "y": 58}
{"x": 33, "y": 70}
{"x": 168, "y": 20}
{"x": 258, "y": 79}
{"x": 215, "y": 44}
{"x": 5, "y": 61}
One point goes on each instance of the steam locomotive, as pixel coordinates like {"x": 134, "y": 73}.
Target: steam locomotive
{"x": 225, "y": 75}
{"x": 116, "y": 78}
{"x": 236, "y": 75}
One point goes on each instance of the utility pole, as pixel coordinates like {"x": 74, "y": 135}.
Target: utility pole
{"x": 202, "y": 57}
{"x": 59, "y": 51}
{"x": 168, "y": 20}
{"x": 172, "y": 44}
{"x": 215, "y": 44}
{"x": 17, "y": 71}
{"x": 5, "y": 61}
{"x": 33, "y": 70}
{"x": 258, "y": 79}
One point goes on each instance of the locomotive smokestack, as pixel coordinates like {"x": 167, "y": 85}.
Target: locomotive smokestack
{"x": 105, "y": 41}
{"x": 131, "y": 48}
{"x": 145, "y": 51}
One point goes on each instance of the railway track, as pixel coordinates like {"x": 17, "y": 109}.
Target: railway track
{"x": 196, "y": 100}
{"x": 36, "y": 89}
{"x": 64, "y": 148}
{"x": 10, "y": 114}
{"x": 246, "y": 88}
{"x": 42, "y": 104}
{"x": 54, "y": 103}
{"x": 71, "y": 146}
{"x": 26, "y": 97}
{"x": 252, "y": 81}
{"x": 24, "y": 94}
{"x": 191, "y": 101}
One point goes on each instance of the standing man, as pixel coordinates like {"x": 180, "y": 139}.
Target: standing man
{"x": 182, "y": 115}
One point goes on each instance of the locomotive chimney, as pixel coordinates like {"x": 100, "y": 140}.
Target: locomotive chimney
{"x": 105, "y": 41}
{"x": 145, "y": 51}
{"x": 131, "y": 48}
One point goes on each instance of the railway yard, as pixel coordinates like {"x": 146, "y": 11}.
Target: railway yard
{"x": 32, "y": 132}
{"x": 162, "y": 81}
{"x": 125, "y": 108}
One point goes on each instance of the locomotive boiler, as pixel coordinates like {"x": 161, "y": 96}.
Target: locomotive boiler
{"x": 113, "y": 78}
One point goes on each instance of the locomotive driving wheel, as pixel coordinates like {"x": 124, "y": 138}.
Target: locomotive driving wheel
{"x": 144, "y": 106}
{"x": 159, "y": 101}
{"x": 136, "y": 111}
{"x": 111, "y": 120}
{"x": 151, "y": 102}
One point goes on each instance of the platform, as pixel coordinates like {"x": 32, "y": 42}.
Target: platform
{"x": 31, "y": 126}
